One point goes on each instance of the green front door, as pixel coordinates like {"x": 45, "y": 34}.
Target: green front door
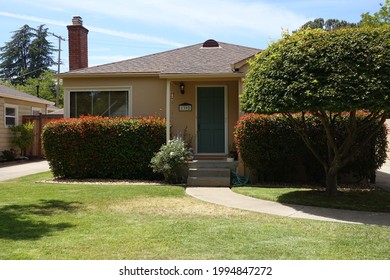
{"x": 211, "y": 120}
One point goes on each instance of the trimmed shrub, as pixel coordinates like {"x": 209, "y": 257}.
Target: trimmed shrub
{"x": 271, "y": 148}
{"x": 171, "y": 161}
{"x": 97, "y": 147}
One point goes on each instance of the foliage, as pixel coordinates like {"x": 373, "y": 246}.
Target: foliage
{"x": 171, "y": 160}
{"x": 97, "y": 147}
{"x": 46, "y": 87}
{"x": 332, "y": 74}
{"x": 270, "y": 146}
{"x": 341, "y": 70}
{"x": 9, "y": 155}
{"x": 382, "y": 17}
{"x": 330, "y": 24}
{"x": 27, "y": 55}
{"x": 23, "y": 136}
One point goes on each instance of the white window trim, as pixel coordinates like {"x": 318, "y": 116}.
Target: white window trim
{"x": 67, "y": 92}
{"x": 16, "y": 107}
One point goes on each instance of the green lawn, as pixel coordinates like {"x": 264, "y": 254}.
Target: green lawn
{"x": 58, "y": 221}
{"x": 363, "y": 200}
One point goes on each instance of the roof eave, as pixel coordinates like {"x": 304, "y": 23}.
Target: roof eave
{"x": 41, "y": 101}
{"x": 107, "y": 75}
{"x": 191, "y": 76}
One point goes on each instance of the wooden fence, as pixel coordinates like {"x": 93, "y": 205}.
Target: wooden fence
{"x": 39, "y": 122}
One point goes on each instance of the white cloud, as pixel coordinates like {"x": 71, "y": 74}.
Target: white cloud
{"x": 197, "y": 16}
{"x": 115, "y": 33}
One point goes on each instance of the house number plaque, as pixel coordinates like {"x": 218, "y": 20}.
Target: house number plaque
{"x": 185, "y": 107}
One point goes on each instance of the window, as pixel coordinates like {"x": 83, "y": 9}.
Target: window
{"x": 99, "y": 103}
{"x": 10, "y": 115}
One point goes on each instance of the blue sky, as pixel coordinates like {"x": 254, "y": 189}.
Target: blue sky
{"x": 122, "y": 29}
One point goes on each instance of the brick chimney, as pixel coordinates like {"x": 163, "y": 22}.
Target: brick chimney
{"x": 78, "y": 44}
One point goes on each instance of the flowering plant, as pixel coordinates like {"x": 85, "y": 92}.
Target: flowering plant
{"x": 171, "y": 160}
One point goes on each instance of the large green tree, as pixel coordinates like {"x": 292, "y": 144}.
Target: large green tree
{"x": 27, "y": 55}
{"x": 382, "y": 17}
{"x": 328, "y": 74}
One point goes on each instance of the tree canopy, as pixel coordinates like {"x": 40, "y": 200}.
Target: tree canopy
{"x": 330, "y": 24}
{"x": 27, "y": 55}
{"x": 341, "y": 70}
{"x": 382, "y": 17}
{"x": 330, "y": 75}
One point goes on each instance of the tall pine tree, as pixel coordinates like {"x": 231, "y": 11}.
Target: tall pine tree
{"x": 27, "y": 55}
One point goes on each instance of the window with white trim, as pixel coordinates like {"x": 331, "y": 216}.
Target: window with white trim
{"x": 10, "y": 115}
{"x": 108, "y": 103}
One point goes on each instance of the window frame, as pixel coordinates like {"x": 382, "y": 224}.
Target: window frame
{"x": 68, "y": 91}
{"x": 16, "y": 117}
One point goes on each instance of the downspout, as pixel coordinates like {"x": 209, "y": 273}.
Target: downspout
{"x": 168, "y": 111}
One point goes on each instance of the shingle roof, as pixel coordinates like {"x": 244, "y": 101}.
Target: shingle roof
{"x": 193, "y": 59}
{"x": 13, "y": 93}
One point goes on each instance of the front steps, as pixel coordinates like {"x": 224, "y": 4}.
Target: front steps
{"x": 210, "y": 173}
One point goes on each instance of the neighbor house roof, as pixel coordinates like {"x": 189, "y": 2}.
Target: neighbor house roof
{"x": 16, "y": 94}
{"x": 195, "y": 59}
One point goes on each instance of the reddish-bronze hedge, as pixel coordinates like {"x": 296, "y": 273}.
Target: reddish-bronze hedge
{"x": 270, "y": 147}
{"x": 97, "y": 147}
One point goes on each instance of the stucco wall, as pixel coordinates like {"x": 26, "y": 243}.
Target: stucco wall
{"x": 147, "y": 94}
{"x": 181, "y": 120}
{"x": 148, "y": 97}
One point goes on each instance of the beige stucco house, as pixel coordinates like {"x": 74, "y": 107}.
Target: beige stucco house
{"x": 14, "y": 105}
{"x": 196, "y": 88}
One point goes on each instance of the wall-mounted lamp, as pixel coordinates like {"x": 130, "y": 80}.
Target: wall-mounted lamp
{"x": 182, "y": 88}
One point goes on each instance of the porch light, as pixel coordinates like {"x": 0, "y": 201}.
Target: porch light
{"x": 182, "y": 88}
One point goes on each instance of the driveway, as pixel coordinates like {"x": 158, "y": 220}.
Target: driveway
{"x": 23, "y": 169}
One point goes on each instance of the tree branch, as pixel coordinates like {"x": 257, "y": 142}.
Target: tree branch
{"x": 305, "y": 137}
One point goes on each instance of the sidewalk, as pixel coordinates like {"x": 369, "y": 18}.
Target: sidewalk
{"x": 226, "y": 197}
{"x": 19, "y": 170}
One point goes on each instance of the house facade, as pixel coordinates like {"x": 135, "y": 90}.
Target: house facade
{"x": 14, "y": 105}
{"x": 195, "y": 88}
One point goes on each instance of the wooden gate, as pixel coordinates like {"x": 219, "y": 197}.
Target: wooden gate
{"x": 39, "y": 122}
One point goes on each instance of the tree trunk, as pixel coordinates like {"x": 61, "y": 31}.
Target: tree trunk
{"x": 331, "y": 182}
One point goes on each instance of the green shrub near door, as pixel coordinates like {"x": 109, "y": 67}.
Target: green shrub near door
{"x": 272, "y": 149}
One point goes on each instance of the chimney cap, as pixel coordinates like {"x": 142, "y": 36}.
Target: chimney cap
{"x": 77, "y": 20}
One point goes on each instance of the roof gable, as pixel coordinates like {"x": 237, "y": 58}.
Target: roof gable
{"x": 16, "y": 94}
{"x": 195, "y": 59}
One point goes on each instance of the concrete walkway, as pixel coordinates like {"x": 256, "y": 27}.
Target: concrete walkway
{"x": 23, "y": 169}
{"x": 226, "y": 197}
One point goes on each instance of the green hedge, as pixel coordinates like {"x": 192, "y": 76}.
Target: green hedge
{"x": 271, "y": 148}
{"x": 96, "y": 147}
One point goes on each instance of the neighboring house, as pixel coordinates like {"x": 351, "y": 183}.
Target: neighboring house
{"x": 196, "y": 88}
{"x": 14, "y": 105}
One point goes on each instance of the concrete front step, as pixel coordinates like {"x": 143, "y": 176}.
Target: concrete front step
{"x": 208, "y": 181}
{"x": 214, "y": 164}
{"x": 208, "y": 172}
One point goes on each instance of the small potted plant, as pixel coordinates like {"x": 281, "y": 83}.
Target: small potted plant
{"x": 233, "y": 155}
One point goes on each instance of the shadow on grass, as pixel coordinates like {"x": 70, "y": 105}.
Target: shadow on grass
{"x": 363, "y": 205}
{"x": 21, "y": 222}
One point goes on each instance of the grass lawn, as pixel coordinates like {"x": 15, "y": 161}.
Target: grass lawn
{"x": 363, "y": 200}
{"x": 58, "y": 221}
